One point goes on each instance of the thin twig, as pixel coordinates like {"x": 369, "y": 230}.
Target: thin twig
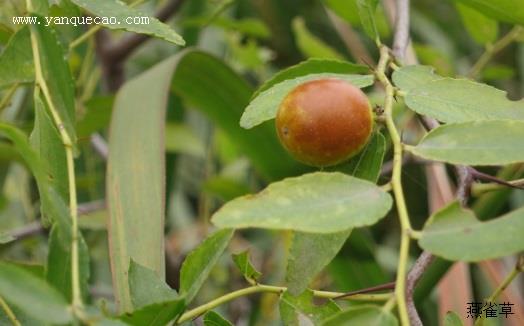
{"x": 401, "y": 39}
{"x": 465, "y": 180}
{"x": 100, "y": 145}
{"x": 414, "y": 275}
{"x": 10, "y": 314}
{"x": 385, "y": 286}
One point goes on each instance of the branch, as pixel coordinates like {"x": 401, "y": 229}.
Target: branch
{"x": 401, "y": 39}
{"x": 414, "y": 275}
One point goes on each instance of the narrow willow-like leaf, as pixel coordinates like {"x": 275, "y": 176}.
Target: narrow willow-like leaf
{"x": 243, "y": 263}
{"x": 122, "y": 13}
{"x": 212, "y": 318}
{"x": 312, "y": 66}
{"x": 362, "y": 315}
{"x": 455, "y": 234}
{"x": 310, "y": 45}
{"x": 136, "y": 159}
{"x": 147, "y": 288}
{"x": 16, "y": 60}
{"x": 317, "y": 202}
{"x": 301, "y": 310}
{"x": 33, "y": 295}
{"x": 55, "y": 78}
{"x": 265, "y": 106}
{"x": 199, "y": 262}
{"x": 366, "y": 11}
{"x": 452, "y": 319}
{"x": 474, "y": 143}
{"x": 483, "y": 29}
{"x": 509, "y": 11}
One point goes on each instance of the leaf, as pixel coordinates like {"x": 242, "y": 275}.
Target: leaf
{"x": 368, "y": 315}
{"x": 316, "y": 202}
{"x": 265, "y": 105}
{"x": 368, "y": 163}
{"x": 136, "y": 160}
{"x": 32, "y": 295}
{"x": 156, "y": 314}
{"x": 483, "y": 29}
{"x": 310, "y": 45}
{"x": 97, "y": 117}
{"x": 366, "y": 11}
{"x": 455, "y": 234}
{"x": 312, "y": 66}
{"x": 6, "y": 238}
{"x": 308, "y": 255}
{"x": 120, "y": 11}
{"x": 196, "y": 74}
{"x": 58, "y": 269}
{"x": 452, "y": 319}
{"x": 461, "y": 100}
{"x": 301, "y": 310}
{"x": 16, "y": 61}
{"x": 243, "y": 263}
{"x": 212, "y": 318}
{"x": 181, "y": 139}
{"x": 509, "y": 11}
{"x": 146, "y": 287}
{"x": 53, "y": 75}
{"x": 474, "y": 143}
{"x": 408, "y": 78}
{"x": 199, "y": 262}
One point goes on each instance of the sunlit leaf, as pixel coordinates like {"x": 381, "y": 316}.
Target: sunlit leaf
{"x": 302, "y": 310}
{"x": 481, "y": 28}
{"x": 509, "y": 11}
{"x": 212, "y": 318}
{"x": 492, "y": 142}
{"x": 366, "y": 11}
{"x": 146, "y": 287}
{"x": 317, "y": 202}
{"x": 265, "y": 106}
{"x": 310, "y": 45}
{"x": 243, "y": 263}
{"x": 122, "y": 13}
{"x": 16, "y": 60}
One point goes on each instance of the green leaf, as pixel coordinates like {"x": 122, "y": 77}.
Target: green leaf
{"x": 97, "y": 116}
{"x": 58, "y": 269}
{"x": 156, "y": 314}
{"x": 225, "y": 188}
{"x": 243, "y": 263}
{"x": 316, "y": 202}
{"x": 308, "y": 255}
{"x": 181, "y": 139}
{"x": 16, "y": 61}
{"x": 312, "y": 66}
{"x": 196, "y": 74}
{"x": 136, "y": 160}
{"x": 452, "y": 319}
{"x": 368, "y": 163}
{"x": 310, "y": 45}
{"x": 265, "y": 105}
{"x": 481, "y": 28}
{"x": 32, "y": 295}
{"x": 146, "y": 287}
{"x": 509, "y": 11}
{"x": 369, "y": 315}
{"x": 461, "y": 100}
{"x": 199, "y": 262}
{"x": 212, "y": 318}
{"x": 408, "y": 78}
{"x": 455, "y": 234}
{"x": 117, "y": 9}
{"x": 366, "y": 11}
{"x": 302, "y": 310}
{"x": 55, "y": 77}
{"x": 491, "y": 142}
{"x": 46, "y": 141}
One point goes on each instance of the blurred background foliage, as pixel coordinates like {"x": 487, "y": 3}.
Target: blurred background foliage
{"x": 205, "y": 166}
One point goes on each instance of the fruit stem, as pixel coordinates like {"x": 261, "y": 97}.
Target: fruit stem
{"x": 396, "y": 184}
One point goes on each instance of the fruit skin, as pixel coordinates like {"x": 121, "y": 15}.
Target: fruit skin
{"x": 324, "y": 122}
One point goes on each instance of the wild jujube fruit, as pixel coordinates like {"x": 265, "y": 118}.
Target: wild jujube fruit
{"x": 324, "y": 122}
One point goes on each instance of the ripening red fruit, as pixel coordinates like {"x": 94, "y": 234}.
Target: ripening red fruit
{"x": 324, "y": 122}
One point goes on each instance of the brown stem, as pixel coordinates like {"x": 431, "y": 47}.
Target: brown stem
{"x": 385, "y": 286}
{"x": 414, "y": 275}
